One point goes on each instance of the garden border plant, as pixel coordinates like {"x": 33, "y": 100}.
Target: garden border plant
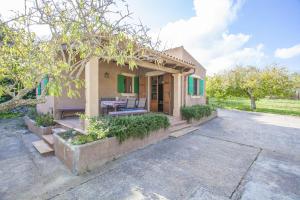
{"x": 196, "y": 112}
{"x": 40, "y": 124}
{"x": 108, "y": 138}
{"x": 122, "y": 128}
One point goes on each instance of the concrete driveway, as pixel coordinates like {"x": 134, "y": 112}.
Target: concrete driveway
{"x": 239, "y": 155}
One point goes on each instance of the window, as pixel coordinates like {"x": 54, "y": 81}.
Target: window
{"x": 195, "y": 90}
{"x": 128, "y": 84}
{"x": 195, "y": 86}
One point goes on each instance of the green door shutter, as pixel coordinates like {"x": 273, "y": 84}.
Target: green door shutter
{"x": 136, "y": 84}
{"x": 201, "y": 91}
{"x": 121, "y": 85}
{"x": 39, "y": 89}
{"x": 190, "y": 85}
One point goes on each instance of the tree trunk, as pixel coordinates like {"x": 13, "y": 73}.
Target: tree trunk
{"x": 253, "y": 103}
{"x": 13, "y": 103}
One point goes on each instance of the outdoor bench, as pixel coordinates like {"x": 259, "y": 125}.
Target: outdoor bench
{"x": 62, "y": 111}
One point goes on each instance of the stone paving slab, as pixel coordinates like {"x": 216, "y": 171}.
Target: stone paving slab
{"x": 171, "y": 169}
{"x": 267, "y": 131}
{"x": 248, "y": 155}
{"x": 273, "y": 176}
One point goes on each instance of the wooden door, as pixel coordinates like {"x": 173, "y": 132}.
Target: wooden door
{"x": 142, "y": 87}
{"x": 167, "y": 93}
{"x": 154, "y": 94}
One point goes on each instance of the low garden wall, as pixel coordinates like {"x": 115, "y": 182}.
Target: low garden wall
{"x": 82, "y": 158}
{"x": 33, "y": 127}
{"x": 203, "y": 120}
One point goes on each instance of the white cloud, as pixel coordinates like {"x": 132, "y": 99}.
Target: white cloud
{"x": 285, "y": 53}
{"x": 207, "y": 37}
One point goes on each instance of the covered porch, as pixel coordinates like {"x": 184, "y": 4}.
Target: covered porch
{"x": 161, "y": 86}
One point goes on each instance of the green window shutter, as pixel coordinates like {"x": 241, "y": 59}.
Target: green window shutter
{"x": 136, "y": 85}
{"x": 46, "y": 80}
{"x": 121, "y": 85}
{"x": 201, "y": 89}
{"x": 190, "y": 85}
{"x": 39, "y": 89}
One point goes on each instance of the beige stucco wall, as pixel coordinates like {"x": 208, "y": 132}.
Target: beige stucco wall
{"x": 46, "y": 107}
{"x": 200, "y": 71}
{"x": 108, "y": 85}
{"x": 107, "y": 88}
{"x": 193, "y": 100}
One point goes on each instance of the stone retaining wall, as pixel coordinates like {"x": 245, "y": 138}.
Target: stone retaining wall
{"x": 39, "y": 130}
{"x": 213, "y": 115}
{"x": 82, "y": 158}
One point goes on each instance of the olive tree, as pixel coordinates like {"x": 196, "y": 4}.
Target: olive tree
{"x": 77, "y": 31}
{"x": 251, "y": 82}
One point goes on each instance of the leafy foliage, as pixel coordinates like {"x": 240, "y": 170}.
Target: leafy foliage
{"x": 250, "y": 82}
{"x": 44, "y": 120}
{"x": 79, "y": 30}
{"x": 196, "y": 112}
{"x": 122, "y": 127}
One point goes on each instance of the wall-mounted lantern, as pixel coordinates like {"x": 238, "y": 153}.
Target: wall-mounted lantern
{"x": 106, "y": 75}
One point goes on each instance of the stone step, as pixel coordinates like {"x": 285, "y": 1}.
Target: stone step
{"x": 58, "y": 130}
{"x": 178, "y": 122}
{"x": 49, "y": 139}
{"x": 42, "y": 147}
{"x": 182, "y": 132}
{"x": 179, "y": 127}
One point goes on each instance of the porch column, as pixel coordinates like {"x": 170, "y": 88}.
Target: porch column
{"x": 148, "y": 92}
{"x": 177, "y": 95}
{"x": 92, "y": 89}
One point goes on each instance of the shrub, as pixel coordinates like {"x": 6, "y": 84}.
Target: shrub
{"x": 122, "y": 127}
{"x": 137, "y": 126}
{"x": 32, "y": 113}
{"x": 44, "y": 120}
{"x": 196, "y": 112}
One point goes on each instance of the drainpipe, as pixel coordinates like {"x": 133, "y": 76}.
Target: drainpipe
{"x": 190, "y": 72}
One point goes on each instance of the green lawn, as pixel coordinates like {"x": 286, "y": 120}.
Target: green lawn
{"x": 276, "y": 106}
{"x": 9, "y": 115}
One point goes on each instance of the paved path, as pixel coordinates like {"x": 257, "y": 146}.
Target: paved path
{"x": 239, "y": 155}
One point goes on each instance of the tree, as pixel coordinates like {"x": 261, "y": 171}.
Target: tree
{"x": 296, "y": 85}
{"x": 251, "y": 82}
{"x": 216, "y": 86}
{"x": 78, "y": 31}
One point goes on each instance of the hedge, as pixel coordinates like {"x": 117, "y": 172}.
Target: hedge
{"x": 196, "y": 112}
{"x": 121, "y": 127}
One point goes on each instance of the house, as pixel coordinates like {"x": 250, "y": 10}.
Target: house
{"x": 180, "y": 81}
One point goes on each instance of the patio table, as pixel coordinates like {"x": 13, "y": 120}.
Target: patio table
{"x": 113, "y": 104}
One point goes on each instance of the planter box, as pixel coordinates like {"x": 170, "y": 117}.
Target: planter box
{"x": 39, "y": 130}
{"x": 81, "y": 158}
{"x": 213, "y": 115}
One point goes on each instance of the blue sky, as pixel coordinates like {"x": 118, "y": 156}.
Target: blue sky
{"x": 221, "y": 33}
{"x": 265, "y": 26}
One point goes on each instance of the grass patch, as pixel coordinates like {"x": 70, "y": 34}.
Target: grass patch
{"x": 275, "y": 106}
{"x": 9, "y": 115}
